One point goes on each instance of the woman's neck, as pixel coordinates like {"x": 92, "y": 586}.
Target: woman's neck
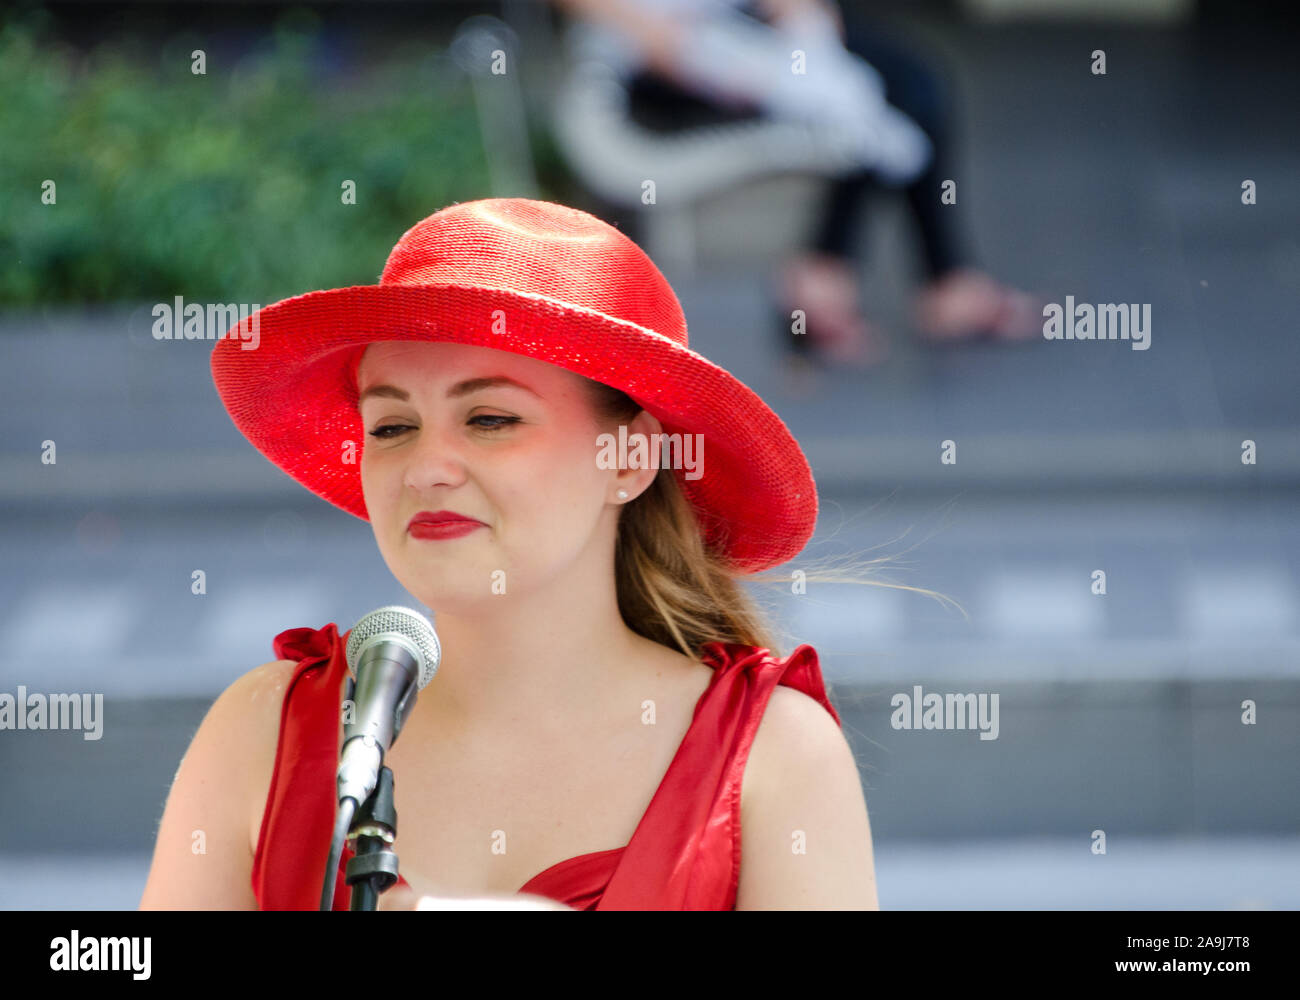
{"x": 534, "y": 666}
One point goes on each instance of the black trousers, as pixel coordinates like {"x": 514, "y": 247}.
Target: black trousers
{"x": 911, "y": 85}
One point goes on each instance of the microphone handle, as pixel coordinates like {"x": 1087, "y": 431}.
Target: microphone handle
{"x": 382, "y": 698}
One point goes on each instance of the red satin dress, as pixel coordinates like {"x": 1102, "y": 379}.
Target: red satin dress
{"x": 683, "y": 855}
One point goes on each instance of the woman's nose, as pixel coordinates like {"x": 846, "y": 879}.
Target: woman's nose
{"x": 435, "y": 459}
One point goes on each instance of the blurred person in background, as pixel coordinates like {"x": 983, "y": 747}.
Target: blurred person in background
{"x": 688, "y": 63}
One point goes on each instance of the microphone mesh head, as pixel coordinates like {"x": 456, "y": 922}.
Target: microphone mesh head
{"x": 401, "y": 624}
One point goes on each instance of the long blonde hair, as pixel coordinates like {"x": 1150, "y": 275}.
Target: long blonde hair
{"x": 672, "y": 588}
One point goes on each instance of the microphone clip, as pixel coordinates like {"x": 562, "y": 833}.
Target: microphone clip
{"x": 373, "y": 869}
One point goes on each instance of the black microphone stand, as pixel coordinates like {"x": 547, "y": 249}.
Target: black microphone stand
{"x": 374, "y": 868}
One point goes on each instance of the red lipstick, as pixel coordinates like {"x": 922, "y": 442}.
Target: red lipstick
{"x": 441, "y": 524}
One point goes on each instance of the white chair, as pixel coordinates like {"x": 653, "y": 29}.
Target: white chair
{"x": 616, "y": 157}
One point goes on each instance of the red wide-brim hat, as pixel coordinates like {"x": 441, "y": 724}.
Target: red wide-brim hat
{"x": 547, "y": 282}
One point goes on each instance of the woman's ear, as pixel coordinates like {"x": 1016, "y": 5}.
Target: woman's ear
{"x": 645, "y": 423}
{"x": 636, "y": 480}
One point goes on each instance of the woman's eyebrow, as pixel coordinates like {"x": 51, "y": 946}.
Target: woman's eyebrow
{"x": 459, "y": 389}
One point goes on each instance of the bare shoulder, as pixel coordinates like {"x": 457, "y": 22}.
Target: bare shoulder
{"x": 257, "y": 699}
{"x": 262, "y": 686}
{"x": 247, "y": 715}
{"x": 806, "y": 837}
{"x": 796, "y": 733}
{"x": 205, "y": 840}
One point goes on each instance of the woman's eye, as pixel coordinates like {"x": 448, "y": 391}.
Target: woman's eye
{"x": 494, "y": 427}
{"x": 393, "y": 430}
{"x": 382, "y": 432}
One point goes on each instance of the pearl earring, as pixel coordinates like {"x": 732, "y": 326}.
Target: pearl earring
{"x": 622, "y": 494}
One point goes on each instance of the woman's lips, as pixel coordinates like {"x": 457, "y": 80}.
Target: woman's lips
{"x": 442, "y": 529}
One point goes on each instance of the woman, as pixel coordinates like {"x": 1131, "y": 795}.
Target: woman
{"x": 606, "y": 716}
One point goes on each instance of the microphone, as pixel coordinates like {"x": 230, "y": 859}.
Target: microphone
{"x": 392, "y": 654}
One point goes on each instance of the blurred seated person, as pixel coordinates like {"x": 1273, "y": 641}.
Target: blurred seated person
{"x": 696, "y": 62}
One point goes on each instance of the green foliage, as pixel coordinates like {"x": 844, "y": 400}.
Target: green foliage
{"x": 225, "y": 186}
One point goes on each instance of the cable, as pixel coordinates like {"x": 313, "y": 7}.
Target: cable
{"x": 347, "y": 809}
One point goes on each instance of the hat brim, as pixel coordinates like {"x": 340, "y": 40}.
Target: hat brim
{"x": 295, "y": 397}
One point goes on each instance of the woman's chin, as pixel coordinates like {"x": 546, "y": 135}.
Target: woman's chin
{"x": 453, "y": 599}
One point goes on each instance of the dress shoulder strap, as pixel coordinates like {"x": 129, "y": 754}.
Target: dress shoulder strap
{"x": 291, "y": 854}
